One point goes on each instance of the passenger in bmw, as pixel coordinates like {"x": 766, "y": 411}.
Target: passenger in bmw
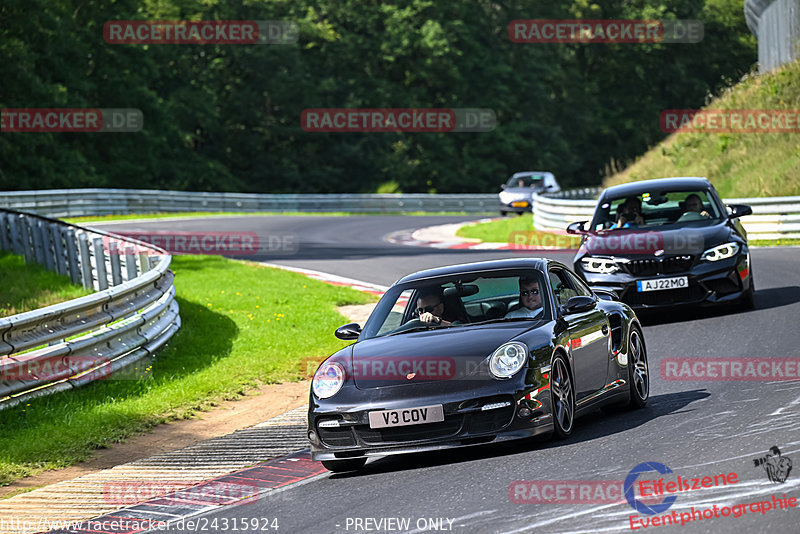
{"x": 530, "y": 299}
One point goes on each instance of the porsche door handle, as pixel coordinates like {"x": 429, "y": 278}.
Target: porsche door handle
{"x": 605, "y": 329}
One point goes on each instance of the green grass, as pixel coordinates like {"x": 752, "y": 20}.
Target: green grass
{"x": 739, "y": 165}
{"x": 243, "y": 325}
{"x": 516, "y": 229}
{"x": 27, "y": 287}
{"x": 192, "y": 214}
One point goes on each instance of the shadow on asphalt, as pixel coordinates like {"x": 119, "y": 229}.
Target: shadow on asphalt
{"x": 765, "y": 299}
{"x": 592, "y": 426}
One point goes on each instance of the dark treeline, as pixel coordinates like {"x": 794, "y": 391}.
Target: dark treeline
{"x": 227, "y": 117}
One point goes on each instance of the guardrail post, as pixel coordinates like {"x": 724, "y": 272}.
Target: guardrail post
{"x": 72, "y": 255}
{"x": 28, "y": 241}
{"x": 4, "y": 241}
{"x": 86, "y": 261}
{"x": 43, "y": 229}
{"x": 15, "y": 233}
{"x": 38, "y": 243}
{"x": 114, "y": 259}
{"x": 130, "y": 262}
{"x": 60, "y": 255}
{"x": 100, "y": 263}
{"x": 144, "y": 263}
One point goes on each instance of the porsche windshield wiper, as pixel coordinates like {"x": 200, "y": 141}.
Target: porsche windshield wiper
{"x": 416, "y": 329}
{"x": 507, "y": 319}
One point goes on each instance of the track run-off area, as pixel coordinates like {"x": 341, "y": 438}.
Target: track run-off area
{"x": 696, "y": 428}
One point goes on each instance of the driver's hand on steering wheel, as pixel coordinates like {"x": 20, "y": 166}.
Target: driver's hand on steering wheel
{"x": 429, "y": 318}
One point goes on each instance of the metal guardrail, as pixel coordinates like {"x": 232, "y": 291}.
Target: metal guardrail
{"x": 131, "y": 315}
{"x": 776, "y": 25}
{"x": 81, "y": 202}
{"x": 772, "y": 218}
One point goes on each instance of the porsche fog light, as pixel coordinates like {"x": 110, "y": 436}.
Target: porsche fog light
{"x": 328, "y": 380}
{"x": 507, "y": 360}
{"x": 721, "y": 252}
{"x": 600, "y": 265}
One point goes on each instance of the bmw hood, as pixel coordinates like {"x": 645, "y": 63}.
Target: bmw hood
{"x": 672, "y": 240}
{"x": 432, "y": 355}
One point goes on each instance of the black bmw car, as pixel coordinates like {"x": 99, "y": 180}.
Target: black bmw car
{"x": 667, "y": 242}
{"x": 471, "y": 354}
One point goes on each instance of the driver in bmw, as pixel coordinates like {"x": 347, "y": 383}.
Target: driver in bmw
{"x": 530, "y": 299}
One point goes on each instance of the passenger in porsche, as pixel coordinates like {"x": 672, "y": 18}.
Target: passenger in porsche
{"x": 530, "y": 299}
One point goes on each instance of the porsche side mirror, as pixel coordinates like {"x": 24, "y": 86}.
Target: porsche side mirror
{"x": 605, "y": 293}
{"x": 579, "y": 304}
{"x": 739, "y": 210}
{"x": 577, "y": 228}
{"x": 503, "y": 186}
{"x": 348, "y": 331}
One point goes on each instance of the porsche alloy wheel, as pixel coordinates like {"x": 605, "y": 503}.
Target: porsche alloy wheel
{"x": 638, "y": 372}
{"x": 563, "y": 398}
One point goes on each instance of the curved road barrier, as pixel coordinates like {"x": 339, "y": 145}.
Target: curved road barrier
{"x": 772, "y": 218}
{"x": 131, "y": 315}
{"x": 81, "y": 202}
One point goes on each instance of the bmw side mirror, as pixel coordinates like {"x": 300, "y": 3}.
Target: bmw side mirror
{"x": 348, "y": 331}
{"x": 580, "y": 303}
{"x": 503, "y": 186}
{"x": 739, "y": 210}
{"x": 577, "y": 228}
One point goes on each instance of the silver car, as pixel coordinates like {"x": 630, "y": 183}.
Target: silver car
{"x": 517, "y": 193}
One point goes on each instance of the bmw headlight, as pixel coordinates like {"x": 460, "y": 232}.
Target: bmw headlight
{"x": 508, "y": 359}
{"x": 721, "y": 252}
{"x": 600, "y": 265}
{"x": 328, "y": 380}
{"x": 506, "y": 198}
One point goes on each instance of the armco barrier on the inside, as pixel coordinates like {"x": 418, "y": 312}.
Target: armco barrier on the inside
{"x": 80, "y": 202}
{"x": 130, "y": 316}
{"x": 772, "y": 218}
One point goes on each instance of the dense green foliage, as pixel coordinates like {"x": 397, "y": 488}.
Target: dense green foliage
{"x": 227, "y": 117}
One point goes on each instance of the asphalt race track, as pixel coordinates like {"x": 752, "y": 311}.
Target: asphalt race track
{"x": 696, "y": 428}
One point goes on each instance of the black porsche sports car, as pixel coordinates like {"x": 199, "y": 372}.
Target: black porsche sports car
{"x": 471, "y": 354}
{"x": 667, "y": 242}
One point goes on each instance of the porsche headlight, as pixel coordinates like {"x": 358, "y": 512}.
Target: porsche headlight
{"x": 328, "y": 380}
{"x": 508, "y": 359}
{"x": 506, "y": 198}
{"x": 721, "y": 252}
{"x": 600, "y": 265}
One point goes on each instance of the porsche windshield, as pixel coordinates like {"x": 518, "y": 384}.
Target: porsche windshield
{"x": 656, "y": 208}
{"x": 460, "y": 301}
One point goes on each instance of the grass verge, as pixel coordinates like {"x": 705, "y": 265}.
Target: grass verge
{"x": 30, "y": 286}
{"x": 243, "y": 325}
{"x": 517, "y": 230}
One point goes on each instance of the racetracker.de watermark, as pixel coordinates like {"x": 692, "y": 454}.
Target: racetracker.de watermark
{"x": 730, "y": 369}
{"x": 78, "y": 120}
{"x": 416, "y": 120}
{"x": 713, "y": 121}
{"x": 200, "y": 32}
{"x": 51, "y": 368}
{"x": 202, "y": 243}
{"x": 588, "y": 31}
{"x": 129, "y": 492}
{"x": 566, "y": 491}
